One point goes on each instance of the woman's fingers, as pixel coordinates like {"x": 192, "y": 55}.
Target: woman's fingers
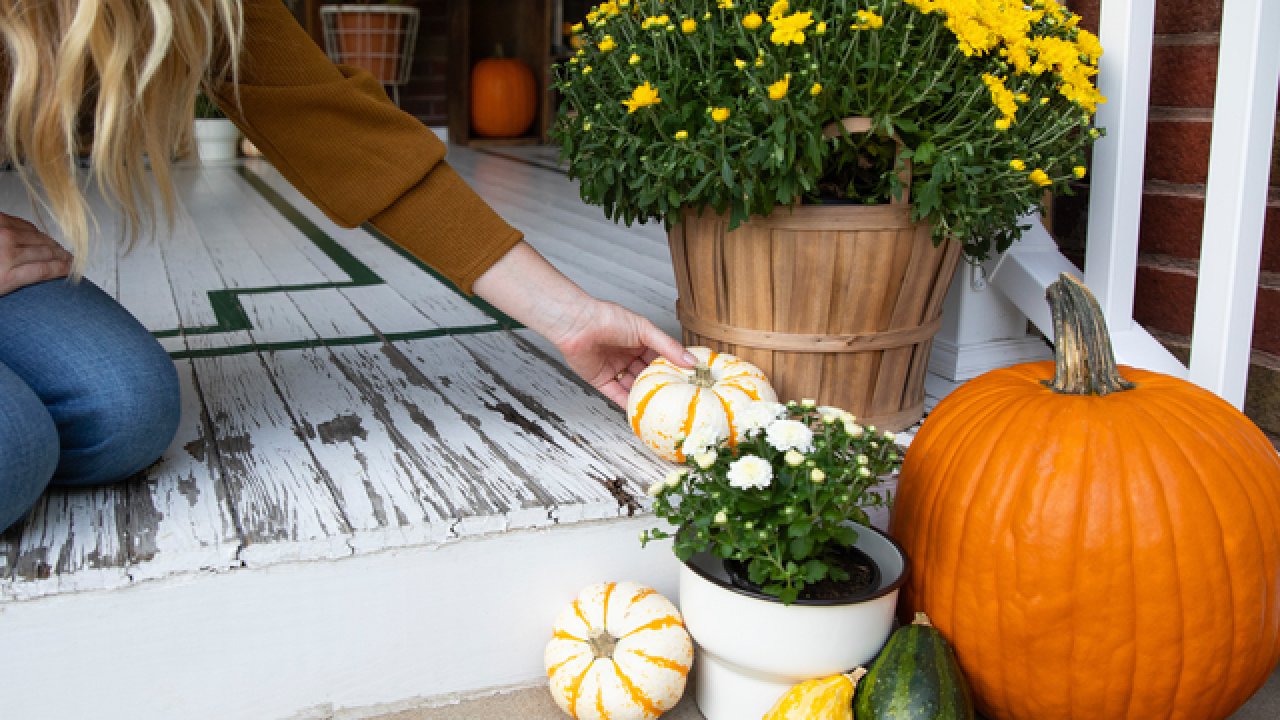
{"x": 28, "y": 256}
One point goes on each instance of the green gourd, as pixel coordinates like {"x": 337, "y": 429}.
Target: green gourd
{"x": 915, "y": 677}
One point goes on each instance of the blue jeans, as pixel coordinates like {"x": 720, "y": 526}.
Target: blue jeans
{"x": 87, "y": 395}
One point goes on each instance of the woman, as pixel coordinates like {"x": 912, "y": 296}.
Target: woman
{"x": 87, "y": 396}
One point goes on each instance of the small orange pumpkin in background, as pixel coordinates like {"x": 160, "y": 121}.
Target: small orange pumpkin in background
{"x": 504, "y": 97}
{"x": 619, "y": 652}
{"x": 667, "y": 402}
{"x": 1095, "y": 542}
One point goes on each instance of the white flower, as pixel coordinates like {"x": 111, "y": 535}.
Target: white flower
{"x": 890, "y": 436}
{"x": 863, "y": 459}
{"x": 721, "y": 518}
{"x": 706, "y": 459}
{"x": 817, "y": 475}
{"x": 758, "y": 415}
{"x": 789, "y": 435}
{"x": 702, "y": 437}
{"x": 793, "y": 458}
{"x": 808, "y": 403}
{"x": 851, "y": 427}
{"x": 830, "y": 415}
{"x": 864, "y": 472}
{"x": 674, "y": 477}
{"x": 657, "y": 488}
{"x": 750, "y": 471}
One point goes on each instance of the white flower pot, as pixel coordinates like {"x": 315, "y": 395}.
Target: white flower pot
{"x": 751, "y": 650}
{"x": 216, "y": 139}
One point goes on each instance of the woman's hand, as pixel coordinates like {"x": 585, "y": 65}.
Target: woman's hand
{"x": 604, "y": 343}
{"x": 28, "y": 256}
{"x": 609, "y": 346}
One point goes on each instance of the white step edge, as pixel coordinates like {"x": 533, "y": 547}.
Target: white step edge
{"x": 309, "y": 639}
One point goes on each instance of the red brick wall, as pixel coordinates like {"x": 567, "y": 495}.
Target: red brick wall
{"x": 1183, "y": 76}
{"x": 424, "y": 95}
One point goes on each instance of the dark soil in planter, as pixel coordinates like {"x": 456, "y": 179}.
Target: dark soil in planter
{"x": 864, "y": 578}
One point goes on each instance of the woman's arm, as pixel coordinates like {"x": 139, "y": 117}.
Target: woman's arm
{"x": 603, "y": 342}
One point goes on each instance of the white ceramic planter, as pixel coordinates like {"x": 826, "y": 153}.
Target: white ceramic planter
{"x": 751, "y": 650}
{"x": 216, "y": 139}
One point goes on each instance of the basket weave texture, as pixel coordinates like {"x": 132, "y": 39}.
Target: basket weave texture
{"x": 838, "y": 303}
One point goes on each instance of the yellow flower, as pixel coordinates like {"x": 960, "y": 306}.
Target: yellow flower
{"x": 586, "y": 69}
{"x": 607, "y": 44}
{"x": 1039, "y": 177}
{"x": 725, "y": 4}
{"x": 643, "y": 96}
{"x": 609, "y": 8}
{"x": 1079, "y": 171}
{"x": 1017, "y": 164}
{"x": 654, "y": 20}
{"x": 689, "y": 25}
{"x": 682, "y": 135}
{"x": 634, "y": 59}
{"x": 868, "y": 20}
{"x": 720, "y": 114}
{"x": 779, "y": 9}
{"x": 586, "y": 126}
{"x": 789, "y": 30}
{"x": 752, "y": 21}
{"x": 778, "y": 90}
{"x": 1003, "y": 123}
{"x": 760, "y": 61}
{"x": 739, "y": 63}
{"x": 821, "y": 29}
{"x": 816, "y": 90}
{"x": 577, "y": 28}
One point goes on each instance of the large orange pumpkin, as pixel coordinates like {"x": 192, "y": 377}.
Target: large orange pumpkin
{"x": 1096, "y": 542}
{"x": 504, "y": 97}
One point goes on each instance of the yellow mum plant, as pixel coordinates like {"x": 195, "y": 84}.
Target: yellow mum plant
{"x": 691, "y": 104}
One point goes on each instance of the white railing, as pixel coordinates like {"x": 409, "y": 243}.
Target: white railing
{"x": 1244, "y": 115}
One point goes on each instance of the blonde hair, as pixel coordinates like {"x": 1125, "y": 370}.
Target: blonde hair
{"x": 134, "y": 68}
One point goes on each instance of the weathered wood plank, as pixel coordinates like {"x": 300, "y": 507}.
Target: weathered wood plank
{"x": 441, "y": 304}
{"x": 531, "y": 445}
{"x": 73, "y": 540}
{"x": 244, "y": 234}
{"x": 180, "y": 518}
{"x": 590, "y": 424}
{"x": 278, "y": 492}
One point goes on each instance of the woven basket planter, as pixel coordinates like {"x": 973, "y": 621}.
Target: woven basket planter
{"x": 838, "y": 303}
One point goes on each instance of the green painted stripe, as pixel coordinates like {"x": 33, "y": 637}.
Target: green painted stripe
{"x": 359, "y": 273}
{"x": 336, "y": 342}
{"x": 478, "y": 302}
{"x": 230, "y": 315}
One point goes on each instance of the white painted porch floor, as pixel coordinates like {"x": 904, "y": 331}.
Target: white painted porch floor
{"x": 380, "y": 494}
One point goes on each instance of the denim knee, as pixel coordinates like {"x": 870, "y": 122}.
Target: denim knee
{"x": 28, "y": 448}
{"x": 122, "y": 423}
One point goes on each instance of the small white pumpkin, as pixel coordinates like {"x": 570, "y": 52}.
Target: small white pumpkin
{"x": 667, "y": 402}
{"x": 618, "y": 652}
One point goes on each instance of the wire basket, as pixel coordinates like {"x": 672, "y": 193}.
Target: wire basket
{"x": 377, "y": 38}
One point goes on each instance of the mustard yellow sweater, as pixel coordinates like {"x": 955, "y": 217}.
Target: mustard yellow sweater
{"x": 334, "y": 134}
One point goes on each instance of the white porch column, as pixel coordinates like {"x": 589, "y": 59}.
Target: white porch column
{"x": 1236, "y": 196}
{"x": 1115, "y": 194}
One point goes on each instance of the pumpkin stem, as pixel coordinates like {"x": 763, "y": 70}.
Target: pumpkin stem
{"x": 1086, "y": 364}
{"x": 856, "y": 674}
{"x": 602, "y": 644}
{"x": 702, "y": 376}
{"x": 922, "y": 619}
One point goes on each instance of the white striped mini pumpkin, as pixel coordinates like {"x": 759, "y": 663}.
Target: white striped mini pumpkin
{"x": 618, "y": 652}
{"x": 667, "y": 402}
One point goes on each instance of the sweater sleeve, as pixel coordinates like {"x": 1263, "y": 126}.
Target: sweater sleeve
{"x": 334, "y": 134}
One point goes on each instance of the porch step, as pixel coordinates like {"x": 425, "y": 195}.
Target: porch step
{"x": 316, "y": 639}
